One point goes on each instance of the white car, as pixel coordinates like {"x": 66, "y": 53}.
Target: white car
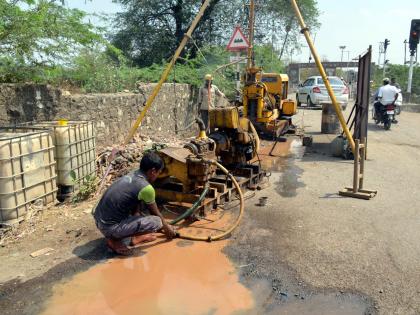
{"x": 313, "y": 92}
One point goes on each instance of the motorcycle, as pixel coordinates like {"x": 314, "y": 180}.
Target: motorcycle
{"x": 384, "y": 114}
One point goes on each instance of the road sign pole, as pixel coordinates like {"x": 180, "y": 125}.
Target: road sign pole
{"x": 238, "y": 77}
{"x": 237, "y": 43}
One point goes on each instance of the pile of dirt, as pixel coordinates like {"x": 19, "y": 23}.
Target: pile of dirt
{"x": 114, "y": 162}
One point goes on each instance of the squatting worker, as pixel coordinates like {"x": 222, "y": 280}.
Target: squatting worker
{"x": 207, "y": 98}
{"x": 120, "y": 212}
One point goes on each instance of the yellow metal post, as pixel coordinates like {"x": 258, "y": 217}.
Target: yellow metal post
{"x": 250, "y": 62}
{"x": 337, "y": 108}
{"x": 165, "y": 73}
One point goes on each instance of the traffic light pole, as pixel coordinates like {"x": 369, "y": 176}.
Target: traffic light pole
{"x": 413, "y": 41}
{"x": 386, "y": 44}
{"x": 384, "y": 70}
{"x": 410, "y": 72}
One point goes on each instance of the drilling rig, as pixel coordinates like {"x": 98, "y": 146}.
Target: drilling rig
{"x": 265, "y": 95}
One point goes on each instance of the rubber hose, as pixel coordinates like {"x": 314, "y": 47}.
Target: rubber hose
{"x": 238, "y": 220}
{"x": 257, "y": 138}
{"x": 191, "y": 210}
{"x": 201, "y": 124}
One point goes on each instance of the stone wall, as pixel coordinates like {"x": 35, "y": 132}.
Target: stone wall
{"x": 173, "y": 109}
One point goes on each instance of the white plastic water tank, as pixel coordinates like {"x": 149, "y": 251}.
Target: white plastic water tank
{"x": 75, "y": 150}
{"x": 27, "y": 172}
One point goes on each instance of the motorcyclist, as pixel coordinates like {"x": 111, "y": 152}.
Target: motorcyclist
{"x": 387, "y": 94}
{"x": 398, "y": 102}
{"x": 394, "y": 83}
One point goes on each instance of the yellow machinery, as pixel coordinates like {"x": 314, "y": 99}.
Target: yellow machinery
{"x": 264, "y": 98}
{"x": 233, "y": 142}
{"x": 265, "y": 102}
{"x": 277, "y": 89}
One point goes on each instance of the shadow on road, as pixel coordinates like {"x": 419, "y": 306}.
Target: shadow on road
{"x": 94, "y": 250}
{"x": 97, "y": 250}
{"x": 331, "y": 196}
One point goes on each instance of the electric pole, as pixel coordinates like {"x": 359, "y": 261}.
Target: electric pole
{"x": 342, "y": 51}
{"x": 386, "y": 44}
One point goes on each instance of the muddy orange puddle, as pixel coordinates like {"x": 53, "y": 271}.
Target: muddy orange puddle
{"x": 177, "y": 277}
{"x": 282, "y": 150}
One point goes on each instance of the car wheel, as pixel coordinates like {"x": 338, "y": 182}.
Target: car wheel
{"x": 298, "y": 103}
{"x": 309, "y": 102}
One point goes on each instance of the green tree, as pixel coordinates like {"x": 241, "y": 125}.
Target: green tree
{"x": 400, "y": 73}
{"x": 149, "y": 31}
{"x": 41, "y": 32}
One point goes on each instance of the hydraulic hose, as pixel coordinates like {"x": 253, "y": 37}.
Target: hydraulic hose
{"x": 234, "y": 226}
{"x": 256, "y": 137}
{"x": 191, "y": 210}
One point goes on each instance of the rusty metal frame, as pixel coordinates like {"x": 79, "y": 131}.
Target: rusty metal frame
{"x": 221, "y": 189}
{"x": 357, "y": 191}
{"x": 360, "y": 111}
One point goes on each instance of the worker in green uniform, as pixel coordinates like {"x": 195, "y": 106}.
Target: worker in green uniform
{"x": 120, "y": 213}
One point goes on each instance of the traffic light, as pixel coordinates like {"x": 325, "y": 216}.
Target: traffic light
{"x": 386, "y": 44}
{"x": 414, "y": 35}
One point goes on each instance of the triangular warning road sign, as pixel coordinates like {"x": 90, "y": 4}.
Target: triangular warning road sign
{"x": 238, "y": 41}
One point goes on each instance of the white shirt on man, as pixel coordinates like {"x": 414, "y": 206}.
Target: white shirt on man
{"x": 209, "y": 101}
{"x": 387, "y": 94}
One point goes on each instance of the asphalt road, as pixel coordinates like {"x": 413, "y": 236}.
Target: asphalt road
{"x": 325, "y": 253}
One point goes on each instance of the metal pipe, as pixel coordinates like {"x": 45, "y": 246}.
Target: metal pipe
{"x": 251, "y": 63}
{"x": 356, "y": 167}
{"x": 165, "y": 73}
{"x": 337, "y": 108}
{"x": 362, "y": 162}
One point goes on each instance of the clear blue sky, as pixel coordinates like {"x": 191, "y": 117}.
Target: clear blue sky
{"x": 355, "y": 24}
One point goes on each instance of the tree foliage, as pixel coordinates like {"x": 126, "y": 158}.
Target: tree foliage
{"x": 400, "y": 73}
{"x": 149, "y": 31}
{"x": 42, "y": 32}
{"x": 45, "y": 42}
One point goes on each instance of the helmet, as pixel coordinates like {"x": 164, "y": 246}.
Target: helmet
{"x": 385, "y": 80}
{"x": 208, "y": 77}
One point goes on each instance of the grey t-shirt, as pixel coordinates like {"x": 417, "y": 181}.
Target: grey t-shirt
{"x": 123, "y": 197}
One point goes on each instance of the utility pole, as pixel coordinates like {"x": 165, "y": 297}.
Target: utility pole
{"x": 288, "y": 29}
{"x": 342, "y": 51}
{"x": 381, "y": 51}
{"x": 386, "y": 44}
{"x": 410, "y": 72}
